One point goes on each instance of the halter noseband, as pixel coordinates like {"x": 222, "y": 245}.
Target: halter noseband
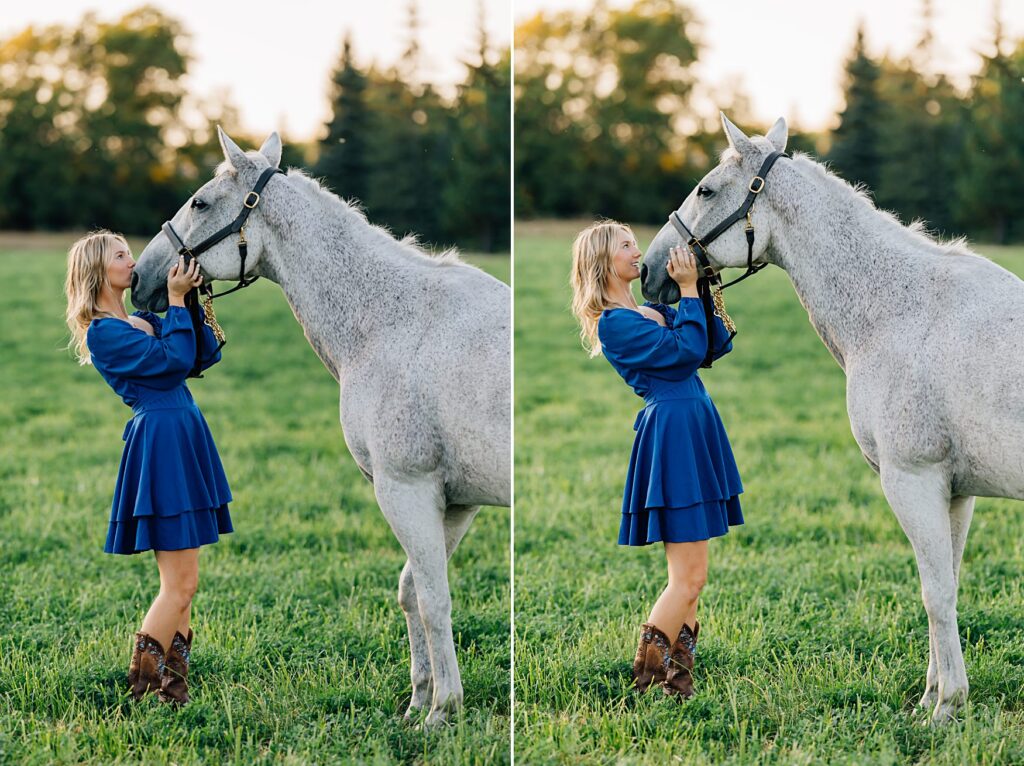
{"x": 237, "y": 226}
{"x": 709, "y": 286}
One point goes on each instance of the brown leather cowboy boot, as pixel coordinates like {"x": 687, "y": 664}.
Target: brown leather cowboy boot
{"x": 679, "y": 679}
{"x": 652, "y": 657}
{"x": 146, "y": 666}
{"x": 174, "y": 682}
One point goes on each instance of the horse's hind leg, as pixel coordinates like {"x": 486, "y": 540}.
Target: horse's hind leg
{"x": 414, "y": 508}
{"x": 920, "y": 499}
{"x": 961, "y": 510}
{"x": 456, "y": 521}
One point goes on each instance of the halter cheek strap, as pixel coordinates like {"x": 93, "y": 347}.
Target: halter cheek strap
{"x": 709, "y": 286}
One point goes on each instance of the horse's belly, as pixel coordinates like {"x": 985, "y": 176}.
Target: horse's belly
{"x": 481, "y": 478}
{"x": 989, "y": 466}
{"x": 985, "y": 417}
{"x": 468, "y": 495}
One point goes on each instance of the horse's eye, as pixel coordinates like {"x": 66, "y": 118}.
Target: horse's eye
{"x": 703, "y": 191}
{"x": 198, "y": 204}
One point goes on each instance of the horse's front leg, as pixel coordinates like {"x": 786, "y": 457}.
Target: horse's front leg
{"x": 456, "y": 522}
{"x": 920, "y": 499}
{"x": 414, "y": 508}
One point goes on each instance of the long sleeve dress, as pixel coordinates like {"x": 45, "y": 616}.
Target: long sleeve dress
{"x": 682, "y": 484}
{"x": 171, "y": 492}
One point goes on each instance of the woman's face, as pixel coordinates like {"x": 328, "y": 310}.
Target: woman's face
{"x": 119, "y": 270}
{"x": 626, "y": 257}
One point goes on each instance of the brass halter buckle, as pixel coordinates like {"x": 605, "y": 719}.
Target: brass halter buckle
{"x": 759, "y": 182}
{"x": 252, "y": 199}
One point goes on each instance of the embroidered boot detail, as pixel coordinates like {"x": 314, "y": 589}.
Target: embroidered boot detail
{"x": 679, "y": 679}
{"x": 147, "y": 665}
{"x": 650, "y": 666}
{"x": 174, "y": 681}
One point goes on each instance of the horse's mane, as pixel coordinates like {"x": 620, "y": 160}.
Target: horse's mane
{"x": 446, "y": 257}
{"x": 408, "y": 243}
{"x": 916, "y": 232}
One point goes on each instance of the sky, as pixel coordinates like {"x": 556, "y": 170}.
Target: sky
{"x": 788, "y": 55}
{"x": 275, "y": 67}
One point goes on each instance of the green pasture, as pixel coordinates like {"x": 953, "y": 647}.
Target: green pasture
{"x": 814, "y": 640}
{"x": 300, "y": 652}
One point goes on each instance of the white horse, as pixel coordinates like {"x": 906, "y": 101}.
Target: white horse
{"x": 420, "y": 346}
{"x": 929, "y": 336}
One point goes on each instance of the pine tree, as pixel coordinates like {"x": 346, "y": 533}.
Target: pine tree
{"x": 477, "y": 197}
{"x": 921, "y": 134}
{"x": 855, "y": 150}
{"x": 409, "y": 146}
{"x": 989, "y": 187}
{"x": 344, "y": 162}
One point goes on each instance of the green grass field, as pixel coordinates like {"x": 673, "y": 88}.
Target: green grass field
{"x": 300, "y": 651}
{"x": 814, "y": 645}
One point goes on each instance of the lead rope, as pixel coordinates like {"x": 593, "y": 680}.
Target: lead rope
{"x": 720, "y": 312}
{"x": 211, "y": 318}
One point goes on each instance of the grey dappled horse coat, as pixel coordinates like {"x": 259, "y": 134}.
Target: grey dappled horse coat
{"x": 929, "y": 335}
{"x": 420, "y": 346}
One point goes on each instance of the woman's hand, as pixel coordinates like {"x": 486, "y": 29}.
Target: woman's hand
{"x": 682, "y": 269}
{"x": 181, "y": 279}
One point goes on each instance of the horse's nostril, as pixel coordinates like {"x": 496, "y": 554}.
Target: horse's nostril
{"x": 643, "y": 273}
{"x": 135, "y": 280}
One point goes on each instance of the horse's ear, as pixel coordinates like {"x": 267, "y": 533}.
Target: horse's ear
{"x": 271, "y": 149}
{"x": 737, "y": 139}
{"x": 232, "y": 153}
{"x": 778, "y": 135}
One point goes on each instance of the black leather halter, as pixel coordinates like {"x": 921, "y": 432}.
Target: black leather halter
{"x": 699, "y": 247}
{"x": 237, "y": 226}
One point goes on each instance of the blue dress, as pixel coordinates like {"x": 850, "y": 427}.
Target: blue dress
{"x": 171, "y": 492}
{"x": 682, "y": 484}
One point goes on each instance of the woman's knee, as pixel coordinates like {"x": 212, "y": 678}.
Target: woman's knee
{"x": 687, "y": 568}
{"x": 182, "y": 588}
{"x": 689, "y": 586}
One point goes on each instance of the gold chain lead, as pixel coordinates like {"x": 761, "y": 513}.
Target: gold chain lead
{"x": 211, "y": 318}
{"x": 720, "y": 312}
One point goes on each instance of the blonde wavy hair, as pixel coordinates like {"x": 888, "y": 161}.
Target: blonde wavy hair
{"x": 88, "y": 260}
{"x": 591, "y": 263}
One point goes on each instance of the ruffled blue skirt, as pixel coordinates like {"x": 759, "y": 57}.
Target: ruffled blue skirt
{"x": 171, "y": 491}
{"x": 682, "y": 484}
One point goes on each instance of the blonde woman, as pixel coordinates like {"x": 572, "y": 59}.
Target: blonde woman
{"x": 171, "y": 495}
{"x": 682, "y": 485}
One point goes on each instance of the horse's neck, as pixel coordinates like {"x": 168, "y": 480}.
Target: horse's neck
{"x": 341, "y": 288}
{"x": 850, "y": 268}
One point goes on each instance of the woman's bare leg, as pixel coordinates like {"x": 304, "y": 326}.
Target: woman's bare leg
{"x": 172, "y": 609}
{"x": 687, "y": 574}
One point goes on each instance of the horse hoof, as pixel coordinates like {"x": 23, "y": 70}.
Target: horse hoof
{"x": 413, "y": 714}
{"x": 943, "y": 714}
{"x": 435, "y": 719}
{"x": 929, "y": 700}
{"x": 946, "y": 711}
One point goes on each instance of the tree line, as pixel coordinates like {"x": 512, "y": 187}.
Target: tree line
{"x": 97, "y": 128}
{"x": 607, "y": 122}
